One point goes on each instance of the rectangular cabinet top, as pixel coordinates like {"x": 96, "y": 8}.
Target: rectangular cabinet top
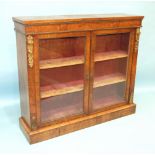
{"x": 39, "y": 20}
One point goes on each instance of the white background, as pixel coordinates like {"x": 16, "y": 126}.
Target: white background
{"x": 129, "y": 135}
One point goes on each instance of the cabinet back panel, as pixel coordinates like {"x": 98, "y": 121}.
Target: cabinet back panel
{"x": 111, "y": 42}
{"x": 110, "y": 67}
{"x": 61, "y": 47}
{"x": 62, "y": 75}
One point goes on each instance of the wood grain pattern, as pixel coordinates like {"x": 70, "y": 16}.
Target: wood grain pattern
{"x": 86, "y": 74}
{"x": 75, "y": 57}
{"x": 134, "y": 63}
{"x": 36, "y": 20}
{"x": 52, "y": 25}
{"x": 129, "y": 64}
{"x": 37, "y": 83}
{"x": 72, "y": 27}
{"x": 76, "y": 124}
{"x": 23, "y": 77}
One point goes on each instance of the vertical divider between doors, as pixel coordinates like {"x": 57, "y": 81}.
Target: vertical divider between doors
{"x": 92, "y": 52}
{"x": 87, "y": 72}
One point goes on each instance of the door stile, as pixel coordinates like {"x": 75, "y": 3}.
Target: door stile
{"x": 86, "y": 73}
{"x": 37, "y": 79}
{"x": 33, "y": 77}
{"x": 129, "y": 64}
{"x": 136, "y": 33}
{"x": 86, "y": 66}
{"x": 129, "y": 61}
{"x": 92, "y": 52}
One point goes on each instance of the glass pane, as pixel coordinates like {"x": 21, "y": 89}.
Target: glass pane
{"x": 108, "y": 95}
{"x": 61, "y": 77}
{"x": 61, "y": 106}
{"x": 110, "y": 68}
{"x": 61, "y": 80}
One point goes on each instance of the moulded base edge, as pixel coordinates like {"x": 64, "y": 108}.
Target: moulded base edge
{"x": 52, "y": 131}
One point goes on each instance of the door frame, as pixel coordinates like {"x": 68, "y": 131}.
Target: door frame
{"x": 38, "y": 37}
{"x": 129, "y": 64}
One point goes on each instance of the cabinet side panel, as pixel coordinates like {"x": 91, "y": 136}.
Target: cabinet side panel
{"x": 23, "y": 76}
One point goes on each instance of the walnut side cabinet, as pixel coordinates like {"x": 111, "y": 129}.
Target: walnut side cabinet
{"x": 75, "y": 71}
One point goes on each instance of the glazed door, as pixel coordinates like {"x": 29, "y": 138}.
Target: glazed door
{"x": 110, "y": 66}
{"x": 63, "y": 75}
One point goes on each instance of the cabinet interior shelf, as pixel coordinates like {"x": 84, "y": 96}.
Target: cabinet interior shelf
{"x": 70, "y": 87}
{"x": 115, "y": 54}
{"x": 60, "y": 89}
{"x": 60, "y": 62}
{"x": 100, "y": 56}
{"x": 109, "y": 79}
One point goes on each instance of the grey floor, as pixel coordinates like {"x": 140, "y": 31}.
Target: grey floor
{"x": 134, "y": 134}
